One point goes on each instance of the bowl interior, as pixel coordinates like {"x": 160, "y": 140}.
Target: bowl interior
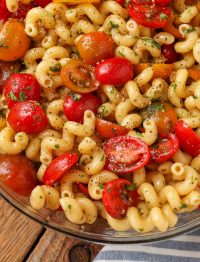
{"x": 98, "y": 232}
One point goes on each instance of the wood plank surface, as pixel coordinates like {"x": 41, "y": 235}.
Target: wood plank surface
{"x": 17, "y": 233}
{"x": 21, "y": 239}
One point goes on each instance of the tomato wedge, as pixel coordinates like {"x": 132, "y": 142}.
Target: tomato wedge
{"x": 194, "y": 73}
{"x": 164, "y": 149}
{"x": 108, "y": 129}
{"x": 149, "y": 15}
{"x": 188, "y": 139}
{"x": 82, "y": 188}
{"x": 79, "y": 77}
{"x": 147, "y": 2}
{"x": 160, "y": 70}
{"x": 117, "y": 196}
{"x": 58, "y": 167}
{"x": 125, "y": 154}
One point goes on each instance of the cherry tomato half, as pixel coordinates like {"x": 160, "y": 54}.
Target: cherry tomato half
{"x": 169, "y": 53}
{"x": 125, "y": 154}
{"x": 151, "y": 15}
{"x": 79, "y": 77}
{"x": 6, "y": 69}
{"x": 114, "y": 71}
{"x": 95, "y": 46}
{"x": 22, "y": 10}
{"x": 75, "y": 105}
{"x": 27, "y": 116}
{"x": 42, "y": 3}
{"x": 108, "y": 129}
{"x": 4, "y": 13}
{"x": 13, "y": 41}
{"x": 117, "y": 196}
{"x": 21, "y": 87}
{"x": 18, "y": 173}
{"x": 147, "y": 2}
{"x": 164, "y": 116}
{"x": 58, "y": 167}
{"x": 164, "y": 149}
{"x": 188, "y": 139}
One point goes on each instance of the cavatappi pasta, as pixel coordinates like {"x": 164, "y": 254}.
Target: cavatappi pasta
{"x": 159, "y": 95}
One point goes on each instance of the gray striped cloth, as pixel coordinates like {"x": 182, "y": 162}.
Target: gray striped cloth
{"x": 184, "y": 248}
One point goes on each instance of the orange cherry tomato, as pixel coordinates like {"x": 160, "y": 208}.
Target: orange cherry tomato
{"x": 163, "y": 115}
{"x": 95, "y": 46}
{"x": 13, "y": 41}
{"x": 79, "y": 77}
{"x": 170, "y": 28}
{"x": 160, "y": 70}
{"x": 194, "y": 73}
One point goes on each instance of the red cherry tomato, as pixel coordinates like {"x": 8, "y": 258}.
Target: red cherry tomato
{"x": 164, "y": 149}
{"x": 18, "y": 173}
{"x": 21, "y": 87}
{"x": 58, "y": 167}
{"x": 148, "y": 2}
{"x": 43, "y": 3}
{"x": 22, "y": 10}
{"x": 95, "y": 46}
{"x": 120, "y": 2}
{"x": 4, "y": 13}
{"x": 27, "y": 116}
{"x": 114, "y": 71}
{"x": 117, "y": 197}
{"x": 169, "y": 53}
{"x": 82, "y": 188}
{"x": 108, "y": 129}
{"x": 151, "y": 15}
{"x": 125, "y": 154}
{"x": 75, "y": 105}
{"x": 188, "y": 139}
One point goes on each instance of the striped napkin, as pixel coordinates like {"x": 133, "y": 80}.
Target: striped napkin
{"x": 184, "y": 248}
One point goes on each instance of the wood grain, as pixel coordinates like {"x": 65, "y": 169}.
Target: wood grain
{"x": 17, "y": 233}
{"x": 56, "y": 247}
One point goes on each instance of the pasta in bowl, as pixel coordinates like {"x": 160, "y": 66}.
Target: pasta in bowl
{"x": 100, "y": 123}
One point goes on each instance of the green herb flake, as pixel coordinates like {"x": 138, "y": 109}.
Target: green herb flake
{"x": 69, "y": 206}
{"x": 121, "y": 54}
{"x": 55, "y": 68}
{"x": 3, "y": 45}
{"x": 163, "y": 16}
{"x": 189, "y": 30}
{"x": 141, "y": 229}
{"x": 113, "y": 25}
{"x": 75, "y": 97}
{"x": 152, "y": 42}
{"x": 101, "y": 186}
{"x": 1, "y": 113}
{"x": 102, "y": 158}
{"x": 13, "y": 96}
{"x": 22, "y": 96}
{"x": 57, "y": 146}
{"x": 139, "y": 134}
{"x": 184, "y": 206}
{"x": 28, "y": 88}
{"x": 131, "y": 187}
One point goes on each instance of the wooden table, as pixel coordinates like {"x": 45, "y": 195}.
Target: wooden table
{"x": 21, "y": 239}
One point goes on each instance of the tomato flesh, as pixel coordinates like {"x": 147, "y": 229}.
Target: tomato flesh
{"x": 148, "y": 2}
{"x": 164, "y": 149}
{"x": 42, "y": 3}
{"x": 108, "y": 129}
{"x": 169, "y": 53}
{"x": 4, "y": 13}
{"x": 188, "y": 139}
{"x": 117, "y": 197}
{"x": 164, "y": 116}
{"x": 58, "y": 167}
{"x": 75, "y": 105}
{"x": 125, "y": 154}
{"x": 149, "y": 15}
{"x": 83, "y": 188}
{"x": 79, "y": 77}
{"x": 95, "y": 46}
{"x": 114, "y": 71}
{"x": 22, "y": 10}
{"x": 27, "y": 116}
{"x": 21, "y": 87}
{"x": 18, "y": 173}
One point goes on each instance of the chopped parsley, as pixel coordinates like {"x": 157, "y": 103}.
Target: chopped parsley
{"x": 156, "y": 107}
{"x": 113, "y": 25}
{"x": 189, "y": 30}
{"x": 174, "y": 85}
{"x": 22, "y": 96}
{"x": 12, "y": 96}
{"x": 141, "y": 229}
{"x": 184, "y": 205}
{"x": 102, "y": 158}
{"x": 3, "y": 45}
{"x": 69, "y": 206}
{"x": 55, "y": 68}
{"x": 75, "y": 97}
{"x": 1, "y": 113}
{"x": 100, "y": 186}
{"x": 57, "y": 146}
{"x": 28, "y": 88}
{"x": 152, "y": 42}
{"x": 121, "y": 54}
{"x": 131, "y": 187}
{"x": 163, "y": 16}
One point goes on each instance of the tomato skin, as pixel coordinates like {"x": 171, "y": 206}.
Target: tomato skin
{"x": 169, "y": 53}
{"x": 114, "y": 71}
{"x": 28, "y": 117}
{"x": 164, "y": 149}
{"x": 4, "y": 13}
{"x": 96, "y": 46}
{"x": 188, "y": 139}
{"x": 149, "y": 15}
{"x": 83, "y": 188}
{"x": 164, "y": 116}
{"x": 108, "y": 129}
{"x": 22, "y": 10}
{"x": 74, "y": 109}
{"x": 125, "y": 154}
{"x": 148, "y": 2}
{"x": 6, "y": 69}
{"x": 58, "y": 167}
{"x": 117, "y": 197}
{"x": 24, "y": 85}
{"x": 42, "y": 3}
{"x": 18, "y": 173}
{"x": 79, "y": 77}
{"x": 14, "y": 40}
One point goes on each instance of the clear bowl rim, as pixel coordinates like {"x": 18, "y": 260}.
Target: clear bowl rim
{"x": 90, "y": 237}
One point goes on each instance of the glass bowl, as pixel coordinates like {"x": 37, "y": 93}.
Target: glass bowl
{"x": 98, "y": 232}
